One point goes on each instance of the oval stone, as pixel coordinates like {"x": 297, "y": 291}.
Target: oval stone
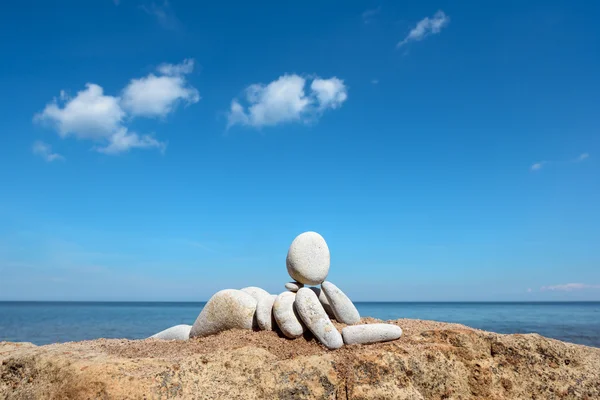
{"x": 315, "y": 318}
{"x": 371, "y": 333}
{"x": 293, "y": 286}
{"x": 286, "y": 316}
{"x": 264, "y": 313}
{"x": 256, "y": 292}
{"x": 308, "y": 259}
{"x": 227, "y": 309}
{"x": 177, "y": 332}
{"x": 342, "y": 307}
{"x": 324, "y": 302}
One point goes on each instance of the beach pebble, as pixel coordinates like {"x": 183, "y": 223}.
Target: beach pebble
{"x": 371, "y": 333}
{"x": 227, "y": 309}
{"x": 286, "y": 316}
{"x": 177, "y": 332}
{"x": 315, "y": 318}
{"x": 341, "y": 305}
{"x": 264, "y": 313}
{"x": 323, "y": 299}
{"x": 308, "y": 259}
{"x": 256, "y": 292}
{"x": 293, "y": 286}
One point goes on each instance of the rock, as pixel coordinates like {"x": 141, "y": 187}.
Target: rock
{"x": 285, "y": 315}
{"x": 342, "y": 307}
{"x": 227, "y": 309}
{"x": 264, "y": 313}
{"x": 293, "y": 286}
{"x": 315, "y": 318}
{"x": 308, "y": 259}
{"x": 324, "y": 302}
{"x": 177, "y": 332}
{"x": 433, "y": 360}
{"x": 371, "y": 333}
{"x": 256, "y": 292}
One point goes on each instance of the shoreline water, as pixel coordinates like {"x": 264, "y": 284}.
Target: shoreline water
{"x": 50, "y": 322}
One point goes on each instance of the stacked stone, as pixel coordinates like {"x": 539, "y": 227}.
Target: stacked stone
{"x": 299, "y": 309}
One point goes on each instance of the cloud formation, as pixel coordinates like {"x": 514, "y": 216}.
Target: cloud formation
{"x": 164, "y": 14}
{"x": 101, "y": 118}
{"x": 537, "y": 166}
{"x": 45, "y": 151}
{"x": 370, "y": 14}
{"x": 569, "y": 287}
{"x": 285, "y": 100}
{"x": 426, "y": 27}
{"x": 582, "y": 157}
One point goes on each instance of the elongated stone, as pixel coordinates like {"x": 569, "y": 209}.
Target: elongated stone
{"x": 286, "y": 316}
{"x": 177, "y": 332}
{"x": 256, "y": 292}
{"x": 371, "y": 333}
{"x": 342, "y": 307}
{"x": 227, "y": 309}
{"x": 293, "y": 286}
{"x": 308, "y": 259}
{"x": 315, "y": 318}
{"x": 323, "y": 299}
{"x": 264, "y": 313}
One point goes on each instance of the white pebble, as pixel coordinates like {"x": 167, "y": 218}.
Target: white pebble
{"x": 371, "y": 333}
{"x": 286, "y": 317}
{"x": 308, "y": 259}
{"x": 342, "y": 307}
{"x": 315, "y": 318}
{"x": 227, "y": 309}
{"x": 264, "y": 313}
{"x": 293, "y": 286}
{"x": 177, "y": 332}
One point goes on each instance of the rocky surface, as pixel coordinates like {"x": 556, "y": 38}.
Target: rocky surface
{"x": 430, "y": 361}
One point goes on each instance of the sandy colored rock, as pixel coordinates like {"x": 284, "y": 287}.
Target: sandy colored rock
{"x": 226, "y": 309}
{"x": 177, "y": 332}
{"x": 315, "y": 318}
{"x": 431, "y": 361}
{"x": 286, "y": 316}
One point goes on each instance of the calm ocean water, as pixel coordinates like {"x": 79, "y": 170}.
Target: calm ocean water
{"x": 49, "y": 322}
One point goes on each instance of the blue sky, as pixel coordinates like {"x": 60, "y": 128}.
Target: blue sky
{"x": 164, "y": 151}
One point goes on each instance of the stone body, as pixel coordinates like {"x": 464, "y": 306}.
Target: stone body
{"x": 315, "y": 318}
{"x": 324, "y": 302}
{"x": 256, "y": 292}
{"x": 308, "y": 259}
{"x": 286, "y": 317}
{"x": 293, "y": 286}
{"x": 227, "y": 309}
{"x": 264, "y": 313}
{"x": 177, "y": 332}
{"x": 370, "y": 333}
{"x": 342, "y": 307}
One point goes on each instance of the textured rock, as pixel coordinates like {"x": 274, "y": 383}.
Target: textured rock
{"x": 315, "y": 318}
{"x": 227, "y": 309}
{"x": 432, "y": 360}
{"x": 308, "y": 259}
{"x": 286, "y": 316}
{"x": 264, "y": 313}
{"x": 293, "y": 286}
{"x": 371, "y": 333}
{"x": 177, "y": 332}
{"x": 342, "y": 307}
{"x": 324, "y": 302}
{"x": 256, "y": 292}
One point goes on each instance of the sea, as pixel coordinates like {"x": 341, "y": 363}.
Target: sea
{"x": 51, "y": 322}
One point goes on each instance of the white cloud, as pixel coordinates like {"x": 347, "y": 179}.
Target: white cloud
{"x": 426, "y": 27}
{"x": 369, "y": 15}
{"x": 45, "y": 151}
{"x": 538, "y": 166}
{"x": 164, "y": 14}
{"x": 374, "y": 81}
{"x": 582, "y": 157}
{"x": 92, "y": 115}
{"x": 285, "y": 100}
{"x": 569, "y": 287}
{"x": 157, "y": 96}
